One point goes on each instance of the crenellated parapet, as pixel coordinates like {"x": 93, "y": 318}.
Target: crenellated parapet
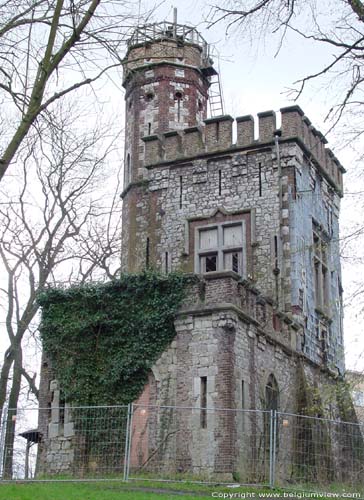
{"x": 216, "y": 136}
{"x": 296, "y": 125}
{"x": 241, "y": 296}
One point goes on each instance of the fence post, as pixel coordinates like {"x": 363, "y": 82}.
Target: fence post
{"x": 128, "y": 438}
{"x": 271, "y": 430}
{"x": 272, "y": 447}
{"x": 274, "y": 451}
{"x": 127, "y": 441}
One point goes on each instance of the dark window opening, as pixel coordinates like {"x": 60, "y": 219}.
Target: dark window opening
{"x": 149, "y": 96}
{"x": 242, "y": 405}
{"x": 271, "y": 394}
{"x": 178, "y": 96}
{"x": 130, "y": 104}
{"x": 203, "y": 400}
{"x": 210, "y": 263}
{"x": 219, "y": 182}
{"x": 179, "y": 110}
{"x": 180, "y": 191}
{"x": 149, "y": 128}
{"x": 147, "y": 250}
{"x": 217, "y": 131}
{"x": 260, "y": 178}
{"x": 61, "y": 410}
{"x": 235, "y": 262}
{"x": 128, "y": 173}
{"x": 294, "y": 184}
{"x": 166, "y": 262}
{"x": 200, "y": 105}
{"x": 276, "y": 252}
{"x": 271, "y": 403}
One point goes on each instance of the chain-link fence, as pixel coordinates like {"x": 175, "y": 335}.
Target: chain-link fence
{"x": 250, "y": 447}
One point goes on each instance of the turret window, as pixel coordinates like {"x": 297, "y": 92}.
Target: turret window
{"x": 127, "y": 170}
{"x": 178, "y": 97}
{"x": 220, "y": 247}
{"x": 320, "y": 264}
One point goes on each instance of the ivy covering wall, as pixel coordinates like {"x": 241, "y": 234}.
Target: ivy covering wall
{"x": 103, "y": 338}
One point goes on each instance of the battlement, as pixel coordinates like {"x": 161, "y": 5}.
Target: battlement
{"x": 248, "y": 301}
{"x": 217, "y": 136}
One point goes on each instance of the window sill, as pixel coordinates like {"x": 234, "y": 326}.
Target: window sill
{"x": 221, "y": 274}
{"x": 324, "y": 314}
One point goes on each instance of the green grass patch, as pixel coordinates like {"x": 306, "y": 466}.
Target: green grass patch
{"x": 82, "y": 491}
{"x": 137, "y": 490}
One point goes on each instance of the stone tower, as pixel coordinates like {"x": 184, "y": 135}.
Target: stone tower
{"x": 257, "y": 220}
{"x": 167, "y": 72}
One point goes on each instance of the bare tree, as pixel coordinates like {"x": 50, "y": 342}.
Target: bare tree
{"x": 49, "y": 48}
{"x": 338, "y": 24}
{"x": 56, "y": 227}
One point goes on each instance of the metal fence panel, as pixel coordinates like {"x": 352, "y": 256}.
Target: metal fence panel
{"x": 317, "y": 452}
{"x": 77, "y": 442}
{"x": 250, "y": 447}
{"x": 200, "y": 444}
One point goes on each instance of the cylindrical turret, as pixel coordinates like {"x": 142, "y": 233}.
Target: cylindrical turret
{"x": 166, "y": 78}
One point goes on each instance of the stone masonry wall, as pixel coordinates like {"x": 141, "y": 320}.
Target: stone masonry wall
{"x": 226, "y": 344}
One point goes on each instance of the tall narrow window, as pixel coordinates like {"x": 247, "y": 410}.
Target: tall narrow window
{"x": 166, "y": 267}
{"x": 149, "y": 128}
{"x": 276, "y": 252}
{"x": 294, "y": 194}
{"x": 271, "y": 403}
{"x": 128, "y": 172}
{"x": 321, "y": 272}
{"x": 242, "y": 405}
{"x": 219, "y": 182}
{"x": 203, "y": 402}
{"x": 260, "y": 178}
{"x": 178, "y": 97}
{"x": 180, "y": 191}
{"x": 217, "y": 131}
{"x": 147, "y": 252}
{"x": 271, "y": 394}
{"x": 61, "y": 410}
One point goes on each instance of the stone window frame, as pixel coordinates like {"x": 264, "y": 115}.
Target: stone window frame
{"x": 321, "y": 271}
{"x": 220, "y": 250}
{"x": 217, "y": 216}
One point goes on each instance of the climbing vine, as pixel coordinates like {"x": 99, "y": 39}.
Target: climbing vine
{"x": 103, "y": 338}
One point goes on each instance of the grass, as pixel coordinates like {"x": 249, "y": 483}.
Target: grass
{"x": 115, "y": 490}
{"x": 81, "y": 491}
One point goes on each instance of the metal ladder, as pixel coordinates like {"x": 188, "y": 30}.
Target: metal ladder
{"x": 215, "y": 96}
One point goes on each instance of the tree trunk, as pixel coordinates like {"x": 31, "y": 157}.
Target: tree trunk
{"x": 11, "y": 418}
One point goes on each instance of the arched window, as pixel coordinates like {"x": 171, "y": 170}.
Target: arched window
{"x": 271, "y": 394}
{"x": 178, "y": 97}
{"x": 271, "y": 403}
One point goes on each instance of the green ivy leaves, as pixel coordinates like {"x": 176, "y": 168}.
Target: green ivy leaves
{"x": 103, "y": 338}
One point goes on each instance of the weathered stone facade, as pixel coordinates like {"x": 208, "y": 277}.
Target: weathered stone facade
{"x": 257, "y": 219}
